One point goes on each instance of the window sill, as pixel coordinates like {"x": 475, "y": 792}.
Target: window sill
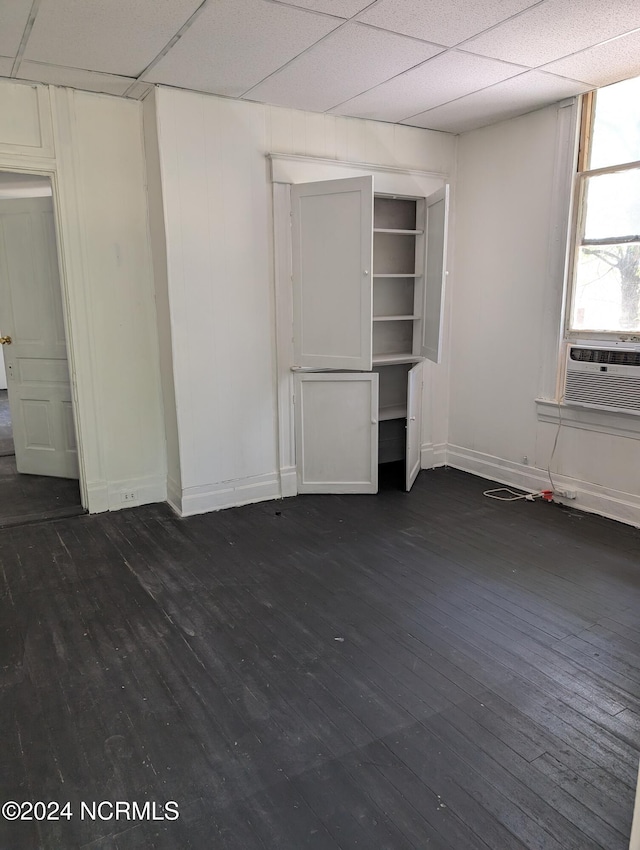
{"x": 589, "y": 419}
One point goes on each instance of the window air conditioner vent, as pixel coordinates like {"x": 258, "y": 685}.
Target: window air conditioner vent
{"x": 603, "y": 378}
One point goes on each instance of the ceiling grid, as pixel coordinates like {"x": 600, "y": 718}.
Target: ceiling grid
{"x": 445, "y": 65}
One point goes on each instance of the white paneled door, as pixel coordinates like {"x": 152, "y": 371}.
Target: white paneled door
{"x": 414, "y": 424}
{"x": 36, "y": 356}
{"x": 337, "y": 432}
{"x": 332, "y": 258}
{"x": 435, "y": 273}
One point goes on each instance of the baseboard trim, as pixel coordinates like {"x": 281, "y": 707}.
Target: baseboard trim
{"x": 433, "y": 455}
{"x": 229, "y": 494}
{"x": 592, "y": 498}
{"x": 174, "y": 495}
{"x": 146, "y": 491}
{"x": 288, "y": 482}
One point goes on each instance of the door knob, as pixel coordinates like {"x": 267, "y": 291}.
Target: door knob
{"x": 5, "y": 340}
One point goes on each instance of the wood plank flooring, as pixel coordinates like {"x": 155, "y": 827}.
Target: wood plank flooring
{"x": 33, "y": 498}
{"x": 423, "y": 671}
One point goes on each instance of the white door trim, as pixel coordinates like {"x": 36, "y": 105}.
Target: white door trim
{"x": 77, "y": 319}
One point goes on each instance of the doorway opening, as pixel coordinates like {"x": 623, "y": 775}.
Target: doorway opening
{"x": 38, "y": 452}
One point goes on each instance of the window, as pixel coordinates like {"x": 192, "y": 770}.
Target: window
{"x": 606, "y": 263}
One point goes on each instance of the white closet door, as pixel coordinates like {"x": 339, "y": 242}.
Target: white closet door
{"x": 336, "y": 432}
{"x": 435, "y": 273}
{"x": 414, "y": 424}
{"x": 36, "y": 360}
{"x": 332, "y": 240}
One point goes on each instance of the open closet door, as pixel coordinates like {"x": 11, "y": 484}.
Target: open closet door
{"x": 336, "y": 432}
{"x": 414, "y": 424}
{"x": 332, "y": 242}
{"x": 437, "y": 215}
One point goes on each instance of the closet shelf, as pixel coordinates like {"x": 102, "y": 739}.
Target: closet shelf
{"x": 398, "y": 411}
{"x": 397, "y": 275}
{"x": 385, "y": 359}
{"x": 398, "y": 231}
{"x": 395, "y": 318}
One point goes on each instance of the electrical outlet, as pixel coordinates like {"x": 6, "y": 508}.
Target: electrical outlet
{"x": 129, "y": 496}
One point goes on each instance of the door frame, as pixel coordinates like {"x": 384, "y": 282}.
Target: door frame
{"x": 8, "y": 164}
{"x": 285, "y": 170}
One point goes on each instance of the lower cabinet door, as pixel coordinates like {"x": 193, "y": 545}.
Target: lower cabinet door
{"x": 414, "y": 424}
{"x": 336, "y": 427}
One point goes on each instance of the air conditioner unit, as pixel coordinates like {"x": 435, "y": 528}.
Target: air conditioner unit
{"x": 607, "y": 378}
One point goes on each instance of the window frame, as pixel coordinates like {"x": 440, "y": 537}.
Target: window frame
{"x": 581, "y": 177}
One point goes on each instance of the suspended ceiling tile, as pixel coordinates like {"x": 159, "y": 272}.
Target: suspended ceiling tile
{"x": 118, "y": 37}
{"x": 349, "y": 61}
{"x": 618, "y": 59}
{"x": 557, "y": 28}
{"x": 6, "y": 64}
{"x": 439, "y": 80}
{"x": 235, "y": 44}
{"x": 339, "y": 8}
{"x": 13, "y": 19}
{"x": 516, "y": 96}
{"x": 442, "y": 21}
{"x": 74, "y": 78}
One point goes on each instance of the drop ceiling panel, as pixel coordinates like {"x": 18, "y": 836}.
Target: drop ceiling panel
{"x": 235, "y": 44}
{"x": 557, "y": 28}
{"x": 339, "y": 8}
{"x": 439, "y": 80}
{"x": 6, "y": 64}
{"x": 606, "y": 63}
{"x": 74, "y": 78}
{"x": 349, "y": 61}
{"x": 118, "y": 37}
{"x": 442, "y": 21}
{"x": 517, "y": 96}
{"x": 13, "y": 19}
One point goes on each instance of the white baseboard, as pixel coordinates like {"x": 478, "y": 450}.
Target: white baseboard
{"x": 110, "y": 495}
{"x": 614, "y": 504}
{"x": 174, "y": 495}
{"x": 229, "y": 494}
{"x": 145, "y": 491}
{"x": 97, "y": 497}
{"x": 288, "y": 481}
{"x": 432, "y": 455}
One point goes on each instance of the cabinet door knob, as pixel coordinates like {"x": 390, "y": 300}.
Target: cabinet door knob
{"x": 412, "y": 418}
{"x": 365, "y": 272}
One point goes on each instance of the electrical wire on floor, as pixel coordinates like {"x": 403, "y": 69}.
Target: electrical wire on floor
{"x": 513, "y": 496}
{"x": 546, "y": 495}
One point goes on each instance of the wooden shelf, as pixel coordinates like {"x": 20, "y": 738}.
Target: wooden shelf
{"x": 386, "y": 359}
{"x": 395, "y": 318}
{"x": 398, "y": 411}
{"x": 398, "y": 275}
{"x": 398, "y": 231}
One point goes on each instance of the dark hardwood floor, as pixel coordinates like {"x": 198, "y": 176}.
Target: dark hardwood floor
{"x": 32, "y": 498}
{"x": 428, "y": 671}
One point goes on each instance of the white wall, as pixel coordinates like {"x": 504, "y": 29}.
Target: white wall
{"x": 510, "y": 236}
{"x": 219, "y": 237}
{"x": 91, "y": 146}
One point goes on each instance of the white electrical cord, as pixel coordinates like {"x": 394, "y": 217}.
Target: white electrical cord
{"x": 555, "y": 446}
{"x": 513, "y": 496}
